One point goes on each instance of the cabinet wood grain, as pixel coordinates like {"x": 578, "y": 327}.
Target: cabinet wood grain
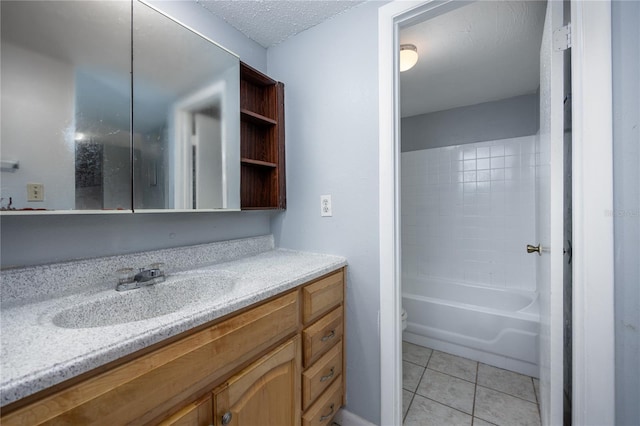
{"x": 321, "y": 336}
{"x": 321, "y": 374}
{"x": 323, "y": 410}
{"x": 262, "y": 172}
{"x": 320, "y": 297}
{"x": 267, "y": 393}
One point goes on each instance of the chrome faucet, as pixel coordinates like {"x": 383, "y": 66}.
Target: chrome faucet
{"x": 151, "y": 275}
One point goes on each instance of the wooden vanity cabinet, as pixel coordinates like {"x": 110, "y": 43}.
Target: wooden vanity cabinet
{"x": 323, "y": 381}
{"x": 251, "y": 366}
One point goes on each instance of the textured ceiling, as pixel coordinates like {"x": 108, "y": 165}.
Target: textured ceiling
{"x": 268, "y": 22}
{"x": 481, "y": 52}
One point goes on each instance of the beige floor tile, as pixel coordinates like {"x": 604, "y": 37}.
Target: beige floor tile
{"x": 480, "y": 422}
{"x": 424, "y": 412}
{"x": 536, "y": 387}
{"x": 506, "y": 381}
{"x": 411, "y": 375}
{"x": 447, "y": 390}
{"x": 462, "y": 368}
{"x": 406, "y": 401}
{"x": 415, "y": 353}
{"x": 504, "y": 410}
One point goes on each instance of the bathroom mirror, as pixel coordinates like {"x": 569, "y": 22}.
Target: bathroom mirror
{"x": 186, "y": 117}
{"x": 98, "y": 131}
{"x": 66, "y": 99}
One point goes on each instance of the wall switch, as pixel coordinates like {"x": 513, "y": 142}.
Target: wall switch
{"x": 35, "y": 192}
{"x": 325, "y": 205}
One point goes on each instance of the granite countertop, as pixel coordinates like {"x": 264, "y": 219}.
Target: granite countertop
{"x": 37, "y": 353}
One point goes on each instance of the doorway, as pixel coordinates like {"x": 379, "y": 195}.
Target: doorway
{"x": 392, "y": 17}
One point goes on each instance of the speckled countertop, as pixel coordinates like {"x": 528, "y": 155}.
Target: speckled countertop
{"x": 47, "y": 337}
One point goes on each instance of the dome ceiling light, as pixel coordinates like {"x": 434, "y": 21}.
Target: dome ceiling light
{"x": 408, "y": 56}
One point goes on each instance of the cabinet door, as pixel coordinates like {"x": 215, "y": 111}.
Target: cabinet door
{"x": 267, "y": 393}
{"x": 199, "y": 413}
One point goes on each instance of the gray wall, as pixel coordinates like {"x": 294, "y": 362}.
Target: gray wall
{"x": 43, "y": 239}
{"x": 332, "y": 148}
{"x": 626, "y": 160}
{"x": 506, "y": 118}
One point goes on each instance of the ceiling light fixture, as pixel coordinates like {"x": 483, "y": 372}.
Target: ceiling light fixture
{"x": 408, "y": 56}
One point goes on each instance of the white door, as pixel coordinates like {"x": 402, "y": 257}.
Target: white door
{"x": 550, "y": 189}
{"x": 209, "y": 177}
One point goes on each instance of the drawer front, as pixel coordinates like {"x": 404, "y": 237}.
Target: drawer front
{"x": 143, "y": 389}
{"x": 322, "y": 335}
{"x": 322, "y": 296}
{"x": 321, "y": 374}
{"x": 321, "y": 413}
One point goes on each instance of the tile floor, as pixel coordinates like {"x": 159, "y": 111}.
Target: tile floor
{"x": 443, "y": 389}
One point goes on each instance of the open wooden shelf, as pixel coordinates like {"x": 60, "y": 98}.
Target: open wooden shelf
{"x": 256, "y": 118}
{"x": 262, "y": 177}
{"x": 250, "y": 162}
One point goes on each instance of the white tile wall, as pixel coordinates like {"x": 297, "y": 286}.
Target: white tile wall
{"x": 468, "y": 212}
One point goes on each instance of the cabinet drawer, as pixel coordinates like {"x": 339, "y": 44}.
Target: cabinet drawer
{"x": 321, "y": 413}
{"x": 321, "y": 374}
{"x": 322, "y": 296}
{"x": 322, "y": 335}
{"x": 145, "y": 388}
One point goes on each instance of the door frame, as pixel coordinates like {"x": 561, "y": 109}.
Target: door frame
{"x": 592, "y": 192}
{"x": 593, "y": 327}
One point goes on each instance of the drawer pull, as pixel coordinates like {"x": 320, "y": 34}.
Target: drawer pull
{"x": 226, "y": 418}
{"x": 328, "y": 376}
{"x": 329, "y": 414}
{"x": 331, "y": 335}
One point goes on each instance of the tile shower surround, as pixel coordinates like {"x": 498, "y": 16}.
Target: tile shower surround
{"x": 468, "y": 212}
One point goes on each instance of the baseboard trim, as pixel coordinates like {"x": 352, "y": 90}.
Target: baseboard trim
{"x": 347, "y": 418}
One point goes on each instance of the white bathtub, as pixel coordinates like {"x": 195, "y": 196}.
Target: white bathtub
{"x": 494, "y": 326}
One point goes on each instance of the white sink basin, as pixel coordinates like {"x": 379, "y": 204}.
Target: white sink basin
{"x": 177, "y": 292}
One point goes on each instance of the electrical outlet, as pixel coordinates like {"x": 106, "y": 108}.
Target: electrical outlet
{"x": 325, "y": 205}
{"x": 35, "y": 192}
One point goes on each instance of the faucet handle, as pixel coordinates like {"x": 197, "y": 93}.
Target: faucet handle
{"x": 158, "y": 266}
{"x": 125, "y": 275}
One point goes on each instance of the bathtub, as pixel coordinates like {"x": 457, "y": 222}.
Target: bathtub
{"x": 494, "y": 326}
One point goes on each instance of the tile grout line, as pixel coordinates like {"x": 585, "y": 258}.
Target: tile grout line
{"x": 451, "y": 375}
{"x": 508, "y": 394}
{"x": 444, "y": 405}
{"x": 535, "y": 393}
{"x": 475, "y": 391}
{"x": 404, "y": 417}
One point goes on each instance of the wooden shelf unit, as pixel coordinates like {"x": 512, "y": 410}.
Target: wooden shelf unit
{"x": 262, "y": 176}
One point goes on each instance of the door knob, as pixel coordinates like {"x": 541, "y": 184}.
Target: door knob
{"x": 533, "y": 249}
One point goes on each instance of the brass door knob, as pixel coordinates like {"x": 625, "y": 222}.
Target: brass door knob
{"x": 534, "y": 249}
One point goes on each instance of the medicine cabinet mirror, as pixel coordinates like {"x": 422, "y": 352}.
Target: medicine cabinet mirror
{"x": 114, "y": 106}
